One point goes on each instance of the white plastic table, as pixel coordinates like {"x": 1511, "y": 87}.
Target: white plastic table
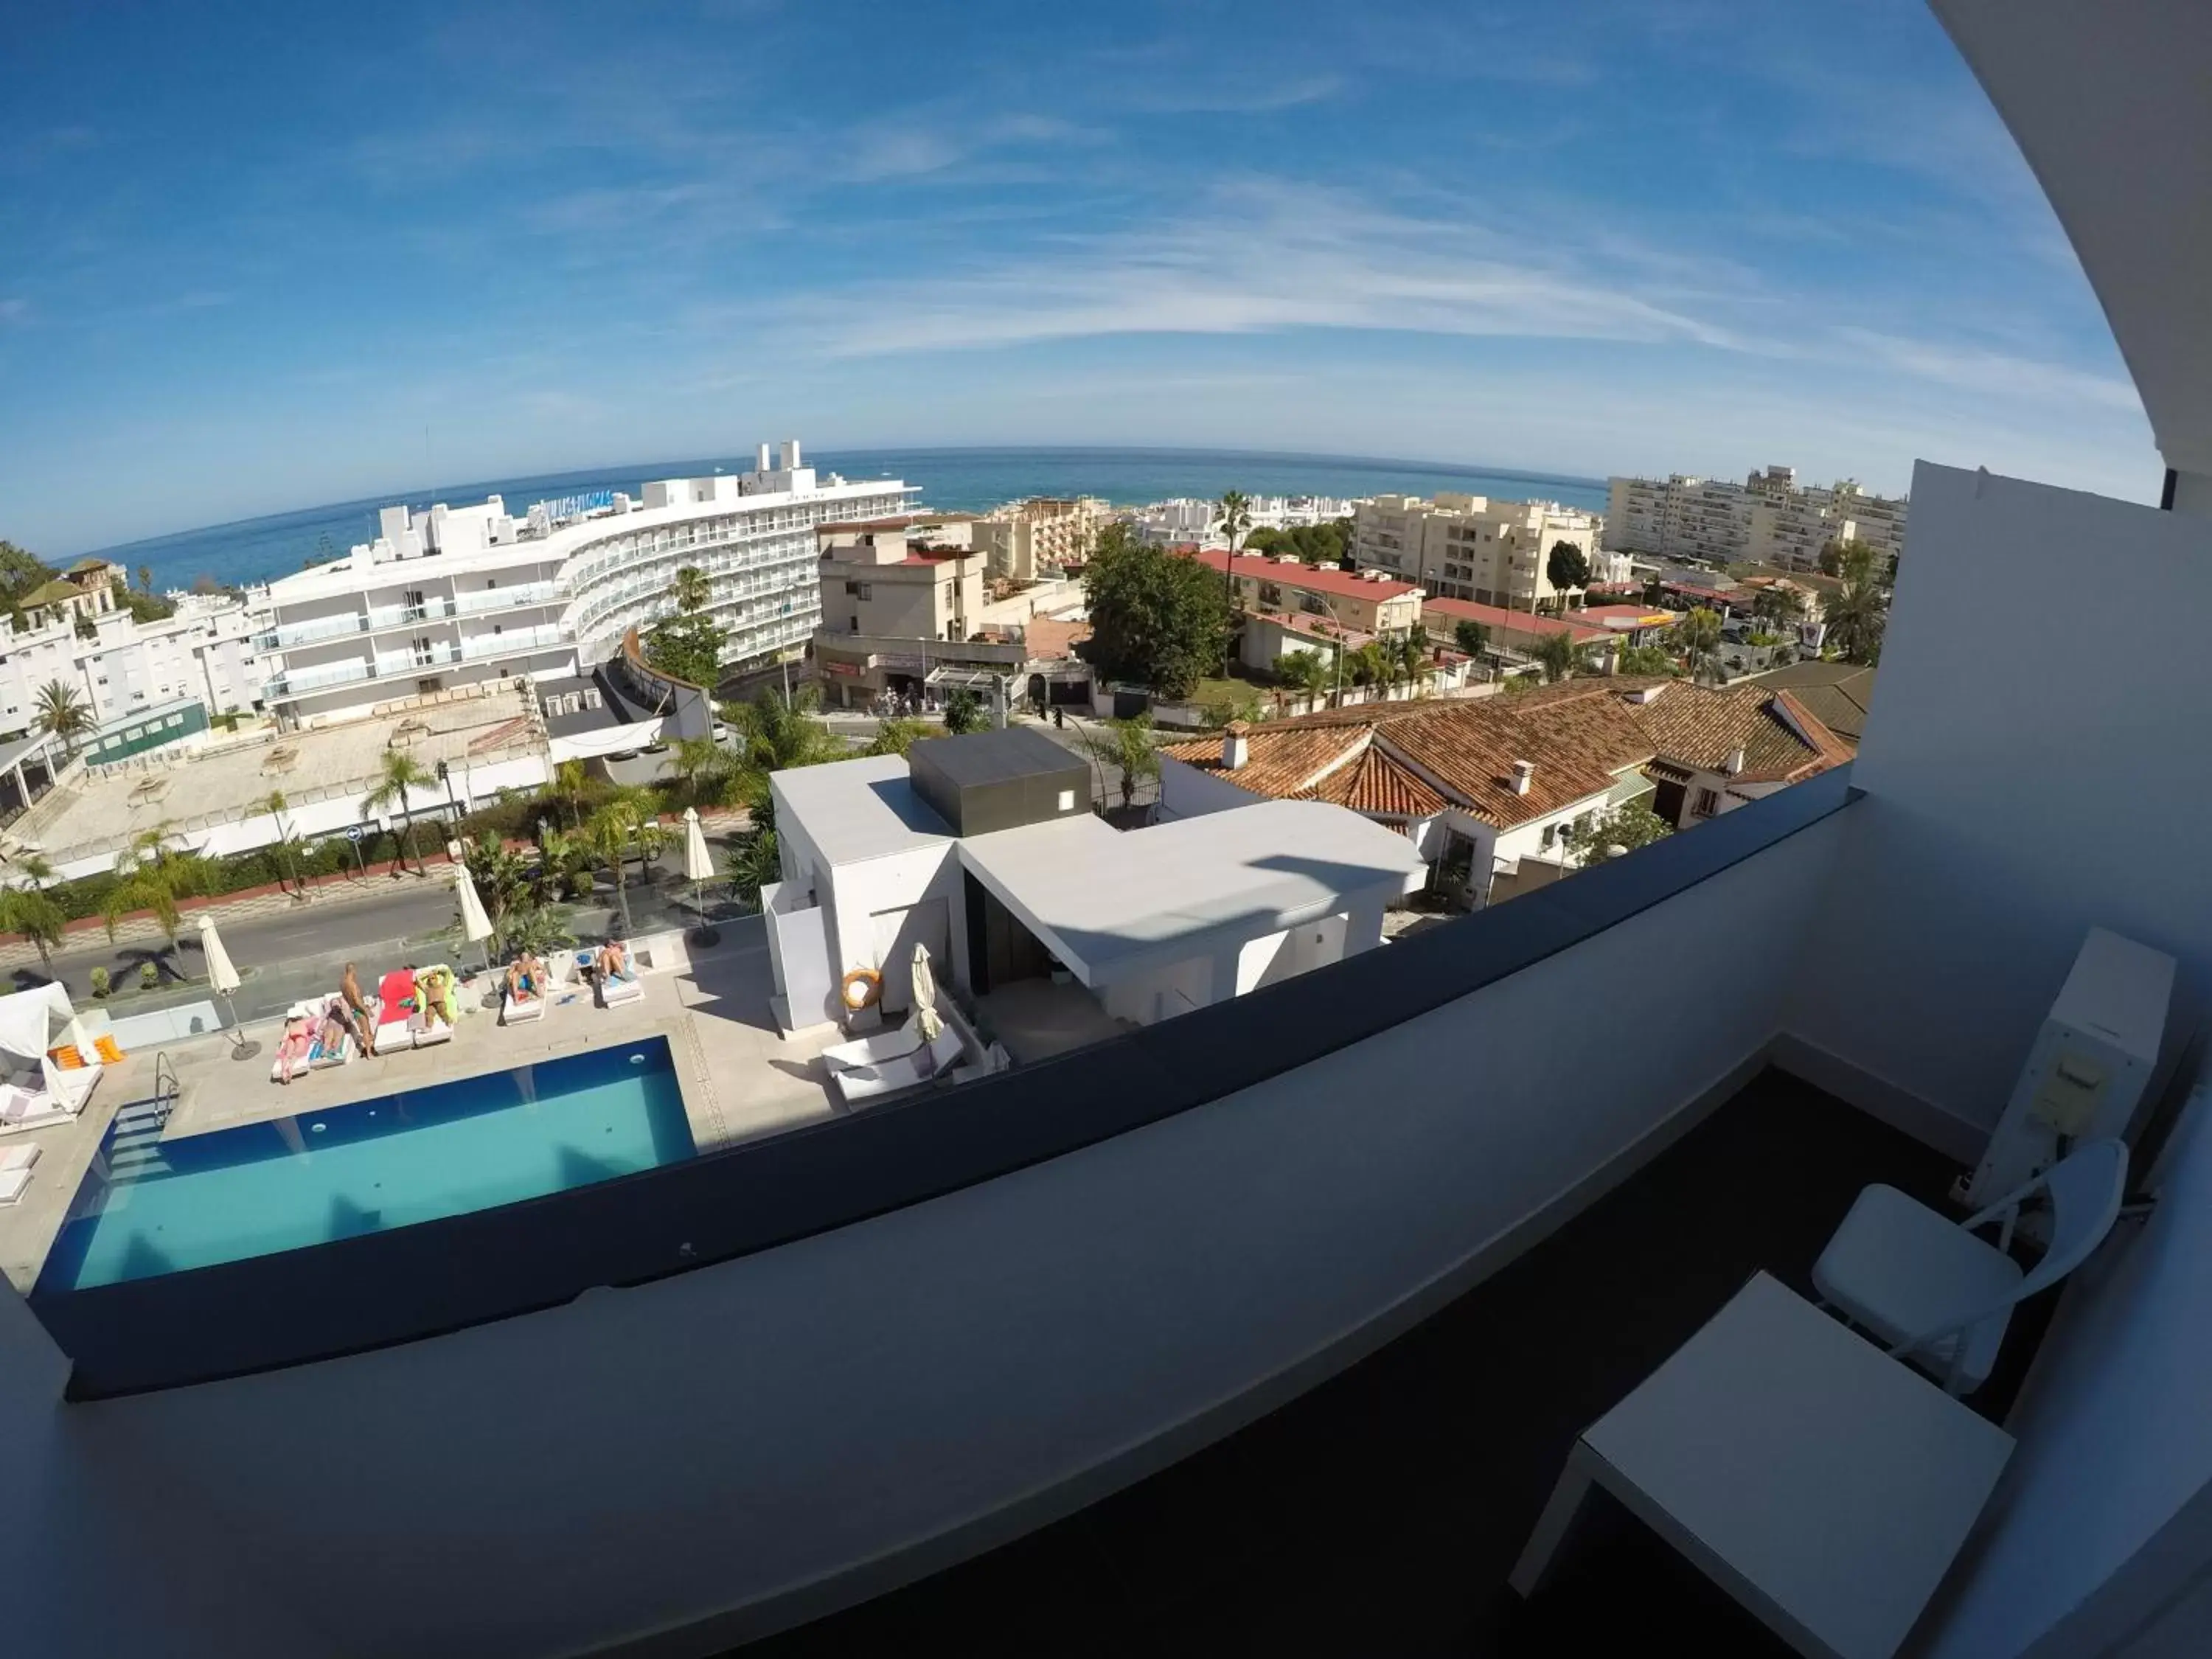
{"x": 1823, "y": 1485}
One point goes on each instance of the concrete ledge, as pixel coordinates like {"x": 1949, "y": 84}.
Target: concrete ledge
{"x": 1878, "y": 1098}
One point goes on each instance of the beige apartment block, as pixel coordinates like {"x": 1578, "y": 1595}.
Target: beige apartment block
{"x": 1023, "y": 539}
{"x": 900, "y": 578}
{"x": 1767, "y": 519}
{"x": 1469, "y": 547}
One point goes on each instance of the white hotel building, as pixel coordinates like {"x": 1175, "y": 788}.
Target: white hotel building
{"x": 454, "y": 596}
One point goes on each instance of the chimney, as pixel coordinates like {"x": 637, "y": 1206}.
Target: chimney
{"x": 1524, "y": 773}
{"x": 763, "y": 464}
{"x": 791, "y": 454}
{"x": 1235, "y": 749}
{"x": 1733, "y": 763}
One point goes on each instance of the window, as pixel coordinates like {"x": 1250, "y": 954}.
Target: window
{"x": 175, "y": 720}
{"x": 1706, "y": 804}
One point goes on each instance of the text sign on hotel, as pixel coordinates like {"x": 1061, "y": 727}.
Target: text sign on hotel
{"x": 575, "y": 507}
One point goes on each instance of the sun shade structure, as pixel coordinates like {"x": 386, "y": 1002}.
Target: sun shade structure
{"x": 927, "y": 1019}
{"x": 223, "y": 980}
{"x": 698, "y": 869}
{"x": 476, "y": 926}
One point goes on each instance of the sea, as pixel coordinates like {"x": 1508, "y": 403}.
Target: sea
{"x": 951, "y": 480}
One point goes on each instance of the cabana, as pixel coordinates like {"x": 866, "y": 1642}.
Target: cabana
{"x": 35, "y": 1087}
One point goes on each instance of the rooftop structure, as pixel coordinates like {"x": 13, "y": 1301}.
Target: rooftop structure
{"x": 1367, "y": 601}
{"x": 1767, "y": 519}
{"x": 1472, "y": 547}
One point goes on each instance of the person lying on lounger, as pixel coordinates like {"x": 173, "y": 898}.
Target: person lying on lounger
{"x": 526, "y": 978}
{"x": 613, "y": 962}
{"x": 297, "y": 1049}
{"x": 431, "y": 989}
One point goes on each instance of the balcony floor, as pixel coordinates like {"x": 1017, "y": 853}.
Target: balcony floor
{"x": 1381, "y": 1511}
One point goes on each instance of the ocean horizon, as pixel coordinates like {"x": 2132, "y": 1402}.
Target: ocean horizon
{"x": 952, "y": 479}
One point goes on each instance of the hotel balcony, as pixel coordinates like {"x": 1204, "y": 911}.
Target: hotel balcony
{"x": 1269, "y": 1328}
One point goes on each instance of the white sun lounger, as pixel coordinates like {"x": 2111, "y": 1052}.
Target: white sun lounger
{"x": 24, "y": 1108}
{"x": 514, "y": 1012}
{"x": 15, "y": 1170}
{"x": 871, "y": 1081}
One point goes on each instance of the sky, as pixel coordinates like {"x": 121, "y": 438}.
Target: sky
{"x": 260, "y": 256}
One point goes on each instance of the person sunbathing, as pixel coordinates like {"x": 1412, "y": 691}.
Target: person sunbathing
{"x": 526, "y": 978}
{"x": 430, "y": 991}
{"x": 613, "y": 962}
{"x": 297, "y": 1049}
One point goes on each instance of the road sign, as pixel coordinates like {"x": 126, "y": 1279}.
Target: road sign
{"x": 353, "y": 832}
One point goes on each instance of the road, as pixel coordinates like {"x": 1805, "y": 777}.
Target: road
{"x": 283, "y": 957}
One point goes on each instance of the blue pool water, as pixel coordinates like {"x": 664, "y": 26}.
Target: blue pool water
{"x": 151, "y": 1206}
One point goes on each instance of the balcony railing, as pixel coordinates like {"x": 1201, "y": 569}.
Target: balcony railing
{"x": 315, "y": 679}
{"x": 310, "y": 632}
{"x": 436, "y": 608}
{"x": 519, "y": 640}
{"x": 401, "y": 662}
{"x": 508, "y": 598}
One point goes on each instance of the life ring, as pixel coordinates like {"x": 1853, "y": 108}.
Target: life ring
{"x": 863, "y": 988}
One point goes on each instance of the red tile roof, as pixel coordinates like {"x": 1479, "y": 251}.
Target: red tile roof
{"x": 1319, "y": 579}
{"x": 1047, "y": 638}
{"x": 1517, "y": 622}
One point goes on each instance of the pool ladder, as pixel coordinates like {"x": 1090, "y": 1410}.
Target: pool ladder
{"x": 164, "y": 1088}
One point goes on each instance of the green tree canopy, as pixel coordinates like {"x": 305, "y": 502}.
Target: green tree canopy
{"x": 1157, "y": 619}
{"x": 1316, "y": 543}
{"x": 1629, "y": 825}
{"x": 1566, "y": 567}
{"x": 688, "y": 646}
{"x": 1471, "y": 637}
{"x": 1561, "y": 656}
{"x": 963, "y": 711}
{"x": 1126, "y": 744}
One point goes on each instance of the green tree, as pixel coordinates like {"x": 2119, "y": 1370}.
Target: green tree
{"x": 152, "y": 875}
{"x": 1561, "y": 656}
{"x": 61, "y": 710}
{"x": 29, "y": 913}
{"x": 1857, "y": 617}
{"x": 1126, "y": 744}
{"x": 1566, "y": 567}
{"x": 505, "y": 881}
{"x": 571, "y": 787}
{"x": 1782, "y": 606}
{"x": 1414, "y": 658}
{"x": 1368, "y": 666}
{"x": 1608, "y": 835}
{"x": 21, "y": 571}
{"x": 1157, "y": 619}
{"x": 276, "y": 806}
{"x": 1700, "y": 632}
{"x": 1310, "y": 672}
{"x": 688, "y": 646}
{"x": 772, "y": 734}
{"x": 1648, "y": 660}
{"x": 896, "y": 737}
{"x": 563, "y": 857}
{"x": 963, "y": 711}
{"x": 398, "y": 773}
{"x": 753, "y": 861}
{"x": 710, "y": 774}
{"x": 608, "y": 833}
{"x": 1471, "y": 637}
{"x": 1851, "y": 561}
{"x": 145, "y": 579}
{"x": 1236, "y": 519}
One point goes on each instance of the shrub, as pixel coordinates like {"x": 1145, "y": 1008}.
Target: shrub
{"x": 580, "y": 884}
{"x": 100, "y": 982}
{"x": 150, "y": 975}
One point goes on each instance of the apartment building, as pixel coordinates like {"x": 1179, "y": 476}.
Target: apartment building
{"x": 1023, "y": 539}
{"x": 121, "y": 667}
{"x": 1365, "y": 601}
{"x": 455, "y": 597}
{"x": 1768, "y": 519}
{"x": 1469, "y": 547}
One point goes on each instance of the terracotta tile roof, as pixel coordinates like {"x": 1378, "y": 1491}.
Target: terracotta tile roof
{"x": 1048, "y": 638}
{"x": 1516, "y": 622}
{"x": 1408, "y": 759}
{"x": 1381, "y": 785}
{"x": 1699, "y": 726}
{"x": 1836, "y": 693}
{"x": 1320, "y": 578}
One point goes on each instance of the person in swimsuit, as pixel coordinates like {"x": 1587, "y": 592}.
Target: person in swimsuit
{"x": 614, "y": 961}
{"x": 357, "y": 1009}
{"x": 297, "y": 1048}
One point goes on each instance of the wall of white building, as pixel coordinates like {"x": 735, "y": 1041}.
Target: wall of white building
{"x": 2002, "y": 792}
{"x": 943, "y": 1375}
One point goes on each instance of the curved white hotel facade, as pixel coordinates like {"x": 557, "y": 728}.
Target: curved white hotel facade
{"x": 453, "y": 596}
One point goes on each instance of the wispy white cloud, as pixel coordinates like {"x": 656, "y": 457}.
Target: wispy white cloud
{"x": 1238, "y": 94}
{"x": 1998, "y": 374}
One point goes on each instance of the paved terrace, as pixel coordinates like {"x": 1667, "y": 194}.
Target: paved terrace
{"x": 739, "y": 1078}
{"x": 94, "y": 810}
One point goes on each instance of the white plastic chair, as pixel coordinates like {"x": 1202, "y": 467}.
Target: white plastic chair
{"x": 1936, "y": 1294}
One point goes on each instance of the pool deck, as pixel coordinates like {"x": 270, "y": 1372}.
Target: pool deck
{"x": 741, "y": 1078}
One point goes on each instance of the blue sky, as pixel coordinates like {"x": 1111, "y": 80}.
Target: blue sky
{"x": 254, "y": 259}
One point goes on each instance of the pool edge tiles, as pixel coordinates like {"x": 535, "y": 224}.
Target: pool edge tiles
{"x": 149, "y": 1206}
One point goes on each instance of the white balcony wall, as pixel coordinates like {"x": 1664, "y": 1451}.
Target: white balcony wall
{"x": 2105, "y": 1515}
{"x": 896, "y": 1392}
{"x": 2034, "y": 763}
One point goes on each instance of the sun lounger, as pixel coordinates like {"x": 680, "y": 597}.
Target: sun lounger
{"x": 319, "y": 1058}
{"x": 29, "y": 1108}
{"x": 15, "y": 1170}
{"x": 516, "y": 1011}
{"x": 72, "y": 1086}
{"x": 871, "y": 1081}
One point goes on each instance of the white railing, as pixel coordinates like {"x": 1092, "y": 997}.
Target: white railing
{"x": 507, "y": 644}
{"x": 399, "y": 662}
{"x": 508, "y": 598}
{"x": 308, "y": 632}
{"x": 435, "y": 609}
{"x": 314, "y": 680}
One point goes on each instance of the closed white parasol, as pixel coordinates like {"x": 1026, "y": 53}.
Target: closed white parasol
{"x": 927, "y": 1019}
{"x": 476, "y": 926}
{"x": 223, "y": 980}
{"x": 698, "y": 867}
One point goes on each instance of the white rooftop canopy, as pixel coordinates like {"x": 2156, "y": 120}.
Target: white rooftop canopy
{"x": 1109, "y": 904}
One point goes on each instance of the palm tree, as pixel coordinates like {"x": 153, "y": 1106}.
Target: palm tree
{"x": 608, "y": 832}
{"x": 897, "y": 737}
{"x": 1561, "y": 656}
{"x": 1701, "y": 637}
{"x": 1785, "y": 607}
{"x": 775, "y": 733}
{"x": 692, "y": 589}
{"x": 1857, "y": 617}
{"x": 401, "y": 772}
{"x": 152, "y": 875}
{"x": 1127, "y": 743}
{"x": 1309, "y": 671}
{"x": 711, "y": 775}
{"x": 61, "y": 711}
{"x": 29, "y": 913}
{"x": 276, "y": 806}
{"x": 570, "y": 785}
{"x": 1236, "y": 519}
{"x": 1413, "y": 655}
{"x": 145, "y": 579}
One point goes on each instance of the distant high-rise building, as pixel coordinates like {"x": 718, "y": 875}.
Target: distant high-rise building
{"x": 1469, "y": 547}
{"x": 1767, "y": 519}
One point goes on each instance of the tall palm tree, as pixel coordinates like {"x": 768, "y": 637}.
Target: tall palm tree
{"x": 710, "y": 774}
{"x": 400, "y": 772}
{"x": 29, "y": 913}
{"x": 775, "y": 733}
{"x": 1128, "y": 745}
{"x": 1236, "y": 519}
{"x": 1309, "y": 671}
{"x": 1701, "y": 637}
{"x": 1413, "y": 655}
{"x": 276, "y": 806}
{"x": 145, "y": 579}
{"x": 608, "y": 833}
{"x": 692, "y": 589}
{"x": 1560, "y": 656}
{"x": 152, "y": 875}
{"x": 571, "y": 784}
{"x": 1857, "y": 617}
{"x": 62, "y": 712}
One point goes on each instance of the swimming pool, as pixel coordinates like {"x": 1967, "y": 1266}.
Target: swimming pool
{"x": 150, "y": 1206}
